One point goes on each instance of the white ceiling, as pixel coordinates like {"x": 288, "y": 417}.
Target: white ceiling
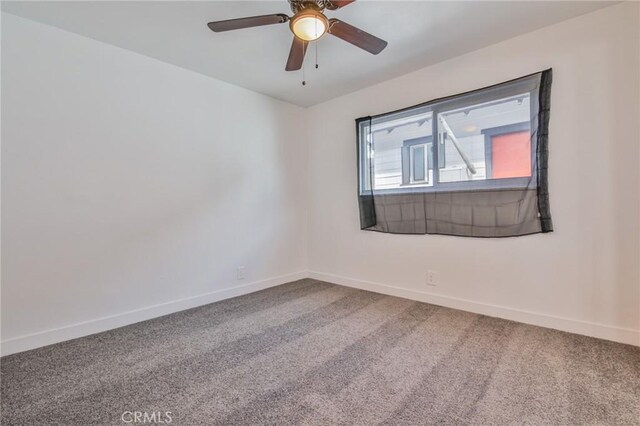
{"x": 419, "y": 33}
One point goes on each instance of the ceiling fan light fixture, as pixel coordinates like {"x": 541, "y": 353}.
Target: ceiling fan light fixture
{"x": 309, "y": 25}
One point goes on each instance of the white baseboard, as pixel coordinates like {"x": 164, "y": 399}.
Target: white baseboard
{"x": 602, "y": 331}
{"x": 56, "y": 335}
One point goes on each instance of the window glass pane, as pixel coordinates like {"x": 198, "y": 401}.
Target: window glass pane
{"x": 486, "y": 140}
{"x": 392, "y": 166}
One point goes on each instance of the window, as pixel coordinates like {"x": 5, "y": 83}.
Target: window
{"x": 486, "y": 140}
{"x": 481, "y": 139}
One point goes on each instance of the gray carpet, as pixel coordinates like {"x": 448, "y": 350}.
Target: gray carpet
{"x": 310, "y": 352}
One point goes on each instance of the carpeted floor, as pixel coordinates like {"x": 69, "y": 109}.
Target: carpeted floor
{"x": 309, "y": 352}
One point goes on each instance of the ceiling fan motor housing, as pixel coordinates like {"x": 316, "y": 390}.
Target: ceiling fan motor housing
{"x": 319, "y": 5}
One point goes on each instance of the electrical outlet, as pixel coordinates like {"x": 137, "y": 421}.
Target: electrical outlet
{"x": 240, "y": 273}
{"x": 432, "y": 278}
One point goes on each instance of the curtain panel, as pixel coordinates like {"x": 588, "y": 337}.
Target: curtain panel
{"x": 473, "y": 164}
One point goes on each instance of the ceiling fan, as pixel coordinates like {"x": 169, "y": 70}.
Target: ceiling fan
{"x": 308, "y": 23}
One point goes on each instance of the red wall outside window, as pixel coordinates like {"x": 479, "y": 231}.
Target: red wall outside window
{"x": 511, "y": 155}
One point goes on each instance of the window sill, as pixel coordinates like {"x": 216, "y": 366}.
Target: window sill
{"x": 469, "y": 186}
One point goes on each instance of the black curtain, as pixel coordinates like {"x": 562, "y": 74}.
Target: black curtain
{"x": 473, "y": 164}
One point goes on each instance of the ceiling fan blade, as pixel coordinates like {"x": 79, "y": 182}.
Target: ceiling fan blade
{"x": 356, "y": 36}
{"x": 337, "y": 4}
{"x": 254, "y": 21}
{"x": 296, "y": 54}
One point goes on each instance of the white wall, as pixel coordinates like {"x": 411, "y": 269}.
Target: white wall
{"x": 128, "y": 183}
{"x": 584, "y": 277}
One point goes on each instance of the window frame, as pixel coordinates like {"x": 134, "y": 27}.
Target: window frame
{"x": 440, "y": 106}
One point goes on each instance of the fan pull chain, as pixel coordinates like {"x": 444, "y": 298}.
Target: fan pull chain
{"x": 316, "y": 42}
{"x": 304, "y": 81}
